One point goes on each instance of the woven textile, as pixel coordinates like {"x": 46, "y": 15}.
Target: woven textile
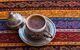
{"x": 65, "y": 14}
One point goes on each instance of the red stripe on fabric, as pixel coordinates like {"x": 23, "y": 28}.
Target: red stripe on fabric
{"x": 60, "y": 36}
{"x": 67, "y": 36}
{"x": 9, "y": 38}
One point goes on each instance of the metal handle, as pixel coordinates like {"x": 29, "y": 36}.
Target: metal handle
{"x": 47, "y": 35}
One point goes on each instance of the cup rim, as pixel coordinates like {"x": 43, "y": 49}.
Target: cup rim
{"x": 32, "y": 29}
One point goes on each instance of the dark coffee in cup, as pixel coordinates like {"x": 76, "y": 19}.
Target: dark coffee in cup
{"x": 36, "y": 22}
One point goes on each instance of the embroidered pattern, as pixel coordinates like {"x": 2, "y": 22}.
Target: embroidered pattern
{"x": 24, "y": 5}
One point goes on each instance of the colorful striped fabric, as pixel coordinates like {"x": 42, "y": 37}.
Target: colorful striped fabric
{"x": 64, "y": 13}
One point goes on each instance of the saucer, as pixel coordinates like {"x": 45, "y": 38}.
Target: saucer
{"x": 50, "y": 27}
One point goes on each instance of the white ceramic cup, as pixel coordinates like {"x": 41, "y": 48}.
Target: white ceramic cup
{"x": 33, "y": 29}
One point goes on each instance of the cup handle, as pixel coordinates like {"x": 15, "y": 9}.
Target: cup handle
{"x": 47, "y": 35}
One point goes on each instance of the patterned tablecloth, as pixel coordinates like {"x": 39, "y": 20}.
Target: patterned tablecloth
{"x": 65, "y": 14}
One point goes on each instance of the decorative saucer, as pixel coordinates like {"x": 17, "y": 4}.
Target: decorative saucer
{"x": 50, "y": 28}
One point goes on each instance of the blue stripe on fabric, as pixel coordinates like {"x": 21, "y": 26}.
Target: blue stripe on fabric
{"x": 61, "y": 23}
{"x": 66, "y": 23}
{"x": 65, "y": 18}
{"x": 3, "y": 25}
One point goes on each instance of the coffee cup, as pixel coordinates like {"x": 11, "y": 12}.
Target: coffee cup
{"x": 37, "y": 23}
